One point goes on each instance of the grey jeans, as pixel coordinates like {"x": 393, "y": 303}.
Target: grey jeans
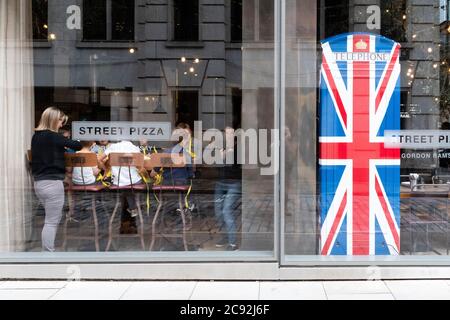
{"x": 51, "y": 195}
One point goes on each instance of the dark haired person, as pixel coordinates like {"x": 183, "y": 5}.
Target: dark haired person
{"x": 66, "y": 133}
{"x": 179, "y": 176}
{"x": 48, "y": 166}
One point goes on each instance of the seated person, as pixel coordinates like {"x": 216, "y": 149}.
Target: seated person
{"x": 145, "y": 148}
{"x": 126, "y": 178}
{"x": 66, "y": 133}
{"x": 100, "y": 147}
{"x": 85, "y": 176}
{"x": 178, "y": 176}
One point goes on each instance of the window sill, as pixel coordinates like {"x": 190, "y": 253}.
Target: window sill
{"x": 185, "y": 44}
{"x": 106, "y": 44}
{"x": 258, "y": 45}
{"x": 42, "y": 44}
{"x": 234, "y": 45}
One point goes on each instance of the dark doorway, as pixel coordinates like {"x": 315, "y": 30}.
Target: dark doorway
{"x": 186, "y": 107}
{"x": 237, "y": 108}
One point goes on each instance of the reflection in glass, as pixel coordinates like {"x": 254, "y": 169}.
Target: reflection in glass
{"x": 210, "y": 91}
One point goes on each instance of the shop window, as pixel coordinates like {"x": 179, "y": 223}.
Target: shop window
{"x": 186, "y": 20}
{"x": 108, "y": 20}
{"x": 227, "y": 206}
{"x": 40, "y": 19}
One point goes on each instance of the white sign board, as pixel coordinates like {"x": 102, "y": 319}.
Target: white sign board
{"x": 418, "y": 139}
{"x": 118, "y": 131}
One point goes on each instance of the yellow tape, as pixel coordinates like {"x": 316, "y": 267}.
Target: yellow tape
{"x": 102, "y": 178}
{"x": 192, "y": 154}
{"x": 186, "y": 199}
{"x": 147, "y": 182}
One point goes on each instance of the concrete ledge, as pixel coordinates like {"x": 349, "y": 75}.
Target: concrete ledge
{"x": 371, "y": 273}
{"x": 214, "y": 271}
{"x": 180, "y": 271}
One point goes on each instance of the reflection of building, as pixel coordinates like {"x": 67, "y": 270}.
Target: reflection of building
{"x": 193, "y": 65}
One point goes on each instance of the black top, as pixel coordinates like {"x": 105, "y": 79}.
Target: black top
{"x": 231, "y": 173}
{"x": 47, "y": 150}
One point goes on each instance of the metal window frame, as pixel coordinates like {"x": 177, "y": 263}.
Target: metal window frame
{"x": 317, "y": 261}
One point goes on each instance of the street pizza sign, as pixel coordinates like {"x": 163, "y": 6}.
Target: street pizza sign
{"x": 122, "y": 130}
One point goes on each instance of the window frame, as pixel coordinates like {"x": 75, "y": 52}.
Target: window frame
{"x": 109, "y": 26}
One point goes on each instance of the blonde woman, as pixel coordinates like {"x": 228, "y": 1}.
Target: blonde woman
{"x": 47, "y": 149}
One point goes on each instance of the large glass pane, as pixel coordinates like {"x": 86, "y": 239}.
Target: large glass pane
{"x": 371, "y": 80}
{"x": 135, "y": 108}
{"x": 300, "y": 162}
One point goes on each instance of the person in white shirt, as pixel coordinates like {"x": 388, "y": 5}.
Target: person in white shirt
{"x": 126, "y": 178}
{"x": 85, "y": 176}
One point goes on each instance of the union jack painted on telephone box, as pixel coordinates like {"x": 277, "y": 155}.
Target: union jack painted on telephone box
{"x": 360, "y": 178}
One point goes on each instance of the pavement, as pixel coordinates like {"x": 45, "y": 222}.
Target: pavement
{"x": 239, "y": 290}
